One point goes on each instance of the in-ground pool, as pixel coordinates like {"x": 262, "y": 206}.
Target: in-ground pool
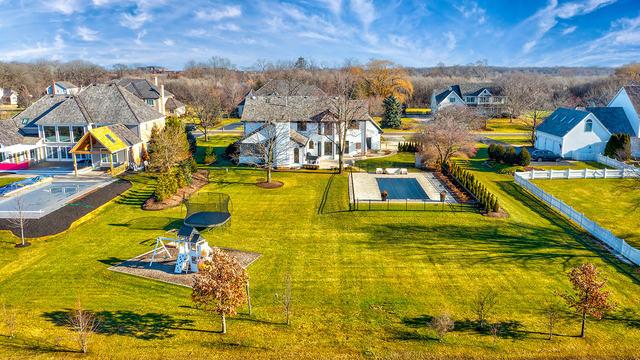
{"x": 41, "y": 200}
{"x": 402, "y": 188}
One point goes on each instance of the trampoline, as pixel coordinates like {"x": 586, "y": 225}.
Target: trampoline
{"x": 208, "y": 211}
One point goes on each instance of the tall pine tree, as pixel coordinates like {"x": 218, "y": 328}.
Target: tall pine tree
{"x": 392, "y": 113}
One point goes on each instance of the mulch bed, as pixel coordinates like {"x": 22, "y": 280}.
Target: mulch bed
{"x": 162, "y": 268}
{"x": 459, "y": 194}
{"x": 200, "y": 179}
{"x": 61, "y": 219}
{"x": 274, "y": 184}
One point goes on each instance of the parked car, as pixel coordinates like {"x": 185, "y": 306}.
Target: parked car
{"x": 190, "y": 127}
{"x": 545, "y": 155}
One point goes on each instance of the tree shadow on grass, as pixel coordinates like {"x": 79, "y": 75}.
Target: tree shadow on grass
{"x": 569, "y": 228}
{"x": 35, "y": 345}
{"x": 151, "y": 223}
{"x": 509, "y": 329}
{"x": 149, "y": 326}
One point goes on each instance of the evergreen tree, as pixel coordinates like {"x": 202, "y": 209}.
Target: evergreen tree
{"x": 392, "y": 113}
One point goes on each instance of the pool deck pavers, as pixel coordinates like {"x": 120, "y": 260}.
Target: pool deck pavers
{"x": 365, "y": 187}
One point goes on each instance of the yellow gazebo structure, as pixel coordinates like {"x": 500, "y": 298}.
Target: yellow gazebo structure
{"x": 102, "y": 141}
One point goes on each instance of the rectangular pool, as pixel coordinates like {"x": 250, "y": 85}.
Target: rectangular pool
{"x": 41, "y": 200}
{"x": 402, "y": 188}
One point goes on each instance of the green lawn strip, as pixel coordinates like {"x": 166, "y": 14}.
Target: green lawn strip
{"x": 408, "y": 124}
{"x": 505, "y": 125}
{"x": 399, "y": 160}
{"x": 613, "y": 203}
{"x": 6, "y": 180}
{"x": 365, "y": 283}
{"x": 219, "y": 143}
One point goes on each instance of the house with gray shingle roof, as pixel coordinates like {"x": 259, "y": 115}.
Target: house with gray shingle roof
{"x": 59, "y": 121}
{"x": 62, "y": 88}
{"x": 583, "y": 133}
{"x": 8, "y": 97}
{"x": 488, "y": 97}
{"x": 306, "y": 129}
{"x": 281, "y": 87}
{"x": 153, "y": 95}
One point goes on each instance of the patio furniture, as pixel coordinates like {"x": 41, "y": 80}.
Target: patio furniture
{"x": 391, "y": 171}
{"x": 379, "y": 171}
{"x": 403, "y": 171}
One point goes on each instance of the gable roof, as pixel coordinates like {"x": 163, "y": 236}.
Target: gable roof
{"x": 561, "y": 121}
{"x": 471, "y": 89}
{"x": 113, "y": 137}
{"x": 65, "y": 85}
{"x": 279, "y": 87}
{"x": 141, "y": 88}
{"x": 296, "y": 108}
{"x": 10, "y": 135}
{"x": 173, "y": 104}
{"x": 101, "y": 104}
{"x": 633, "y": 91}
{"x": 614, "y": 119}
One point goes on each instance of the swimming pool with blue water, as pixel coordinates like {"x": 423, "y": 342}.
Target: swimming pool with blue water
{"x": 402, "y": 188}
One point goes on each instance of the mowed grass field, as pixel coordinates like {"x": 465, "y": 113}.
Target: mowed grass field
{"x": 613, "y": 203}
{"x": 365, "y": 284}
{"x": 6, "y": 180}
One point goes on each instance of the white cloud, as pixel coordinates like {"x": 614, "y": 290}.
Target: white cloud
{"x": 135, "y": 21}
{"x": 86, "y": 34}
{"x": 334, "y": 5}
{"x": 472, "y": 10}
{"x": 569, "y": 30}
{"x": 365, "y": 11}
{"x": 451, "y": 40}
{"x": 35, "y": 51}
{"x": 197, "y": 32}
{"x": 216, "y": 14}
{"x": 139, "y": 36}
{"x": 228, "y": 27}
{"x": 546, "y": 18}
{"x": 66, "y": 7}
{"x": 169, "y": 42}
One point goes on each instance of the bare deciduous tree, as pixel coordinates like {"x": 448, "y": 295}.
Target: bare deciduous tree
{"x": 9, "y": 319}
{"x": 588, "y": 297}
{"x": 552, "y": 313}
{"x": 19, "y": 220}
{"x": 483, "y": 306}
{"x": 268, "y": 147}
{"x": 526, "y": 93}
{"x": 449, "y": 133}
{"x": 206, "y": 107}
{"x": 219, "y": 286}
{"x": 442, "y": 324}
{"x": 286, "y": 299}
{"x": 84, "y": 323}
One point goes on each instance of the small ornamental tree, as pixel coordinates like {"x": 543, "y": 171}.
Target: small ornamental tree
{"x": 588, "y": 296}
{"x": 220, "y": 286}
{"x": 442, "y": 324}
{"x": 392, "y": 113}
{"x": 523, "y": 158}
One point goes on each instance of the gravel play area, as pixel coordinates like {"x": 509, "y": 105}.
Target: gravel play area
{"x": 162, "y": 268}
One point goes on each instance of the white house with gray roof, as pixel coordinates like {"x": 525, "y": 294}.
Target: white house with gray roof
{"x": 487, "y": 97}
{"x": 306, "y": 129}
{"x": 153, "y": 95}
{"x": 282, "y": 87}
{"x": 583, "y": 133}
{"x": 59, "y": 121}
{"x": 62, "y": 88}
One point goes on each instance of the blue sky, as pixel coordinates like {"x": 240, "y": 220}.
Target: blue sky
{"x": 412, "y": 33}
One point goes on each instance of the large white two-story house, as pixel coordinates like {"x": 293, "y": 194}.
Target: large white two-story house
{"x": 304, "y": 129}
{"x": 487, "y": 97}
{"x": 583, "y": 133}
{"x": 51, "y": 127}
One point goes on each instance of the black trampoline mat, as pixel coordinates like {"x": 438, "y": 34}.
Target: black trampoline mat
{"x": 207, "y": 219}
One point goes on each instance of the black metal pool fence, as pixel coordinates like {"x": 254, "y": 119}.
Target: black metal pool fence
{"x": 408, "y": 205}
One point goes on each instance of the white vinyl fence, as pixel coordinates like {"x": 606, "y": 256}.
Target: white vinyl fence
{"x": 618, "y": 245}
{"x": 580, "y": 174}
{"x": 615, "y": 163}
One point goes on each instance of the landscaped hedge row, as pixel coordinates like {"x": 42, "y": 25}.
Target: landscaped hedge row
{"x": 410, "y": 146}
{"x": 508, "y": 155}
{"x": 487, "y": 200}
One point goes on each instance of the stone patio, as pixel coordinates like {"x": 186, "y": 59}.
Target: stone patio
{"x": 365, "y": 187}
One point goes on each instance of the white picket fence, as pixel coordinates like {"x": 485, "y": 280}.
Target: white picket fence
{"x": 618, "y": 245}
{"x": 615, "y": 163}
{"x": 579, "y": 174}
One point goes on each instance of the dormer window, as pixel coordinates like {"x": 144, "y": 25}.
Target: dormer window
{"x": 588, "y": 126}
{"x": 25, "y": 121}
{"x": 452, "y": 99}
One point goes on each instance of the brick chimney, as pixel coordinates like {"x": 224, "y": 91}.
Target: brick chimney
{"x": 53, "y": 87}
{"x": 155, "y": 81}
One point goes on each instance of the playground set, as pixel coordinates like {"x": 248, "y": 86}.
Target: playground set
{"x": 203, "y": 214}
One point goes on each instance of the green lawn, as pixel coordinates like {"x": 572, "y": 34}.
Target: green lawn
{"x": 399, "y": 160}
{"x": 365, "y": 284}
{"x": 407, "y": 124}
{"x": 6, "y": 180}
{"x": 612, "y": 203}
{"x": 505, "y": 125}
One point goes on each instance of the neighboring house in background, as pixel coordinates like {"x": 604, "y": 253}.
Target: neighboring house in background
{"x": 282, "y": 88}
{"x": 153, "y": 95}
{"x": 583, "y": 133}
{"x": 8, "y": 97}
{"x": 60, "y": 121}
{"x": 62, "y": 88}
{"x": 305, "y": 130}
{"x": 487, "y": 97}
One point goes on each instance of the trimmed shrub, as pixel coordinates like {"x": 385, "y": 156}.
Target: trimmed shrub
{"x": 486, "y": 200}
{"x": 619, "y": 147}
{"x": 232, "y": 151}
{"x": 184, "y": 174}
{"x": 523, "y": 158}
{"x": 408, "y": 147}
{"x": 209, "y": 155}
{"x": 166, "y": 186}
